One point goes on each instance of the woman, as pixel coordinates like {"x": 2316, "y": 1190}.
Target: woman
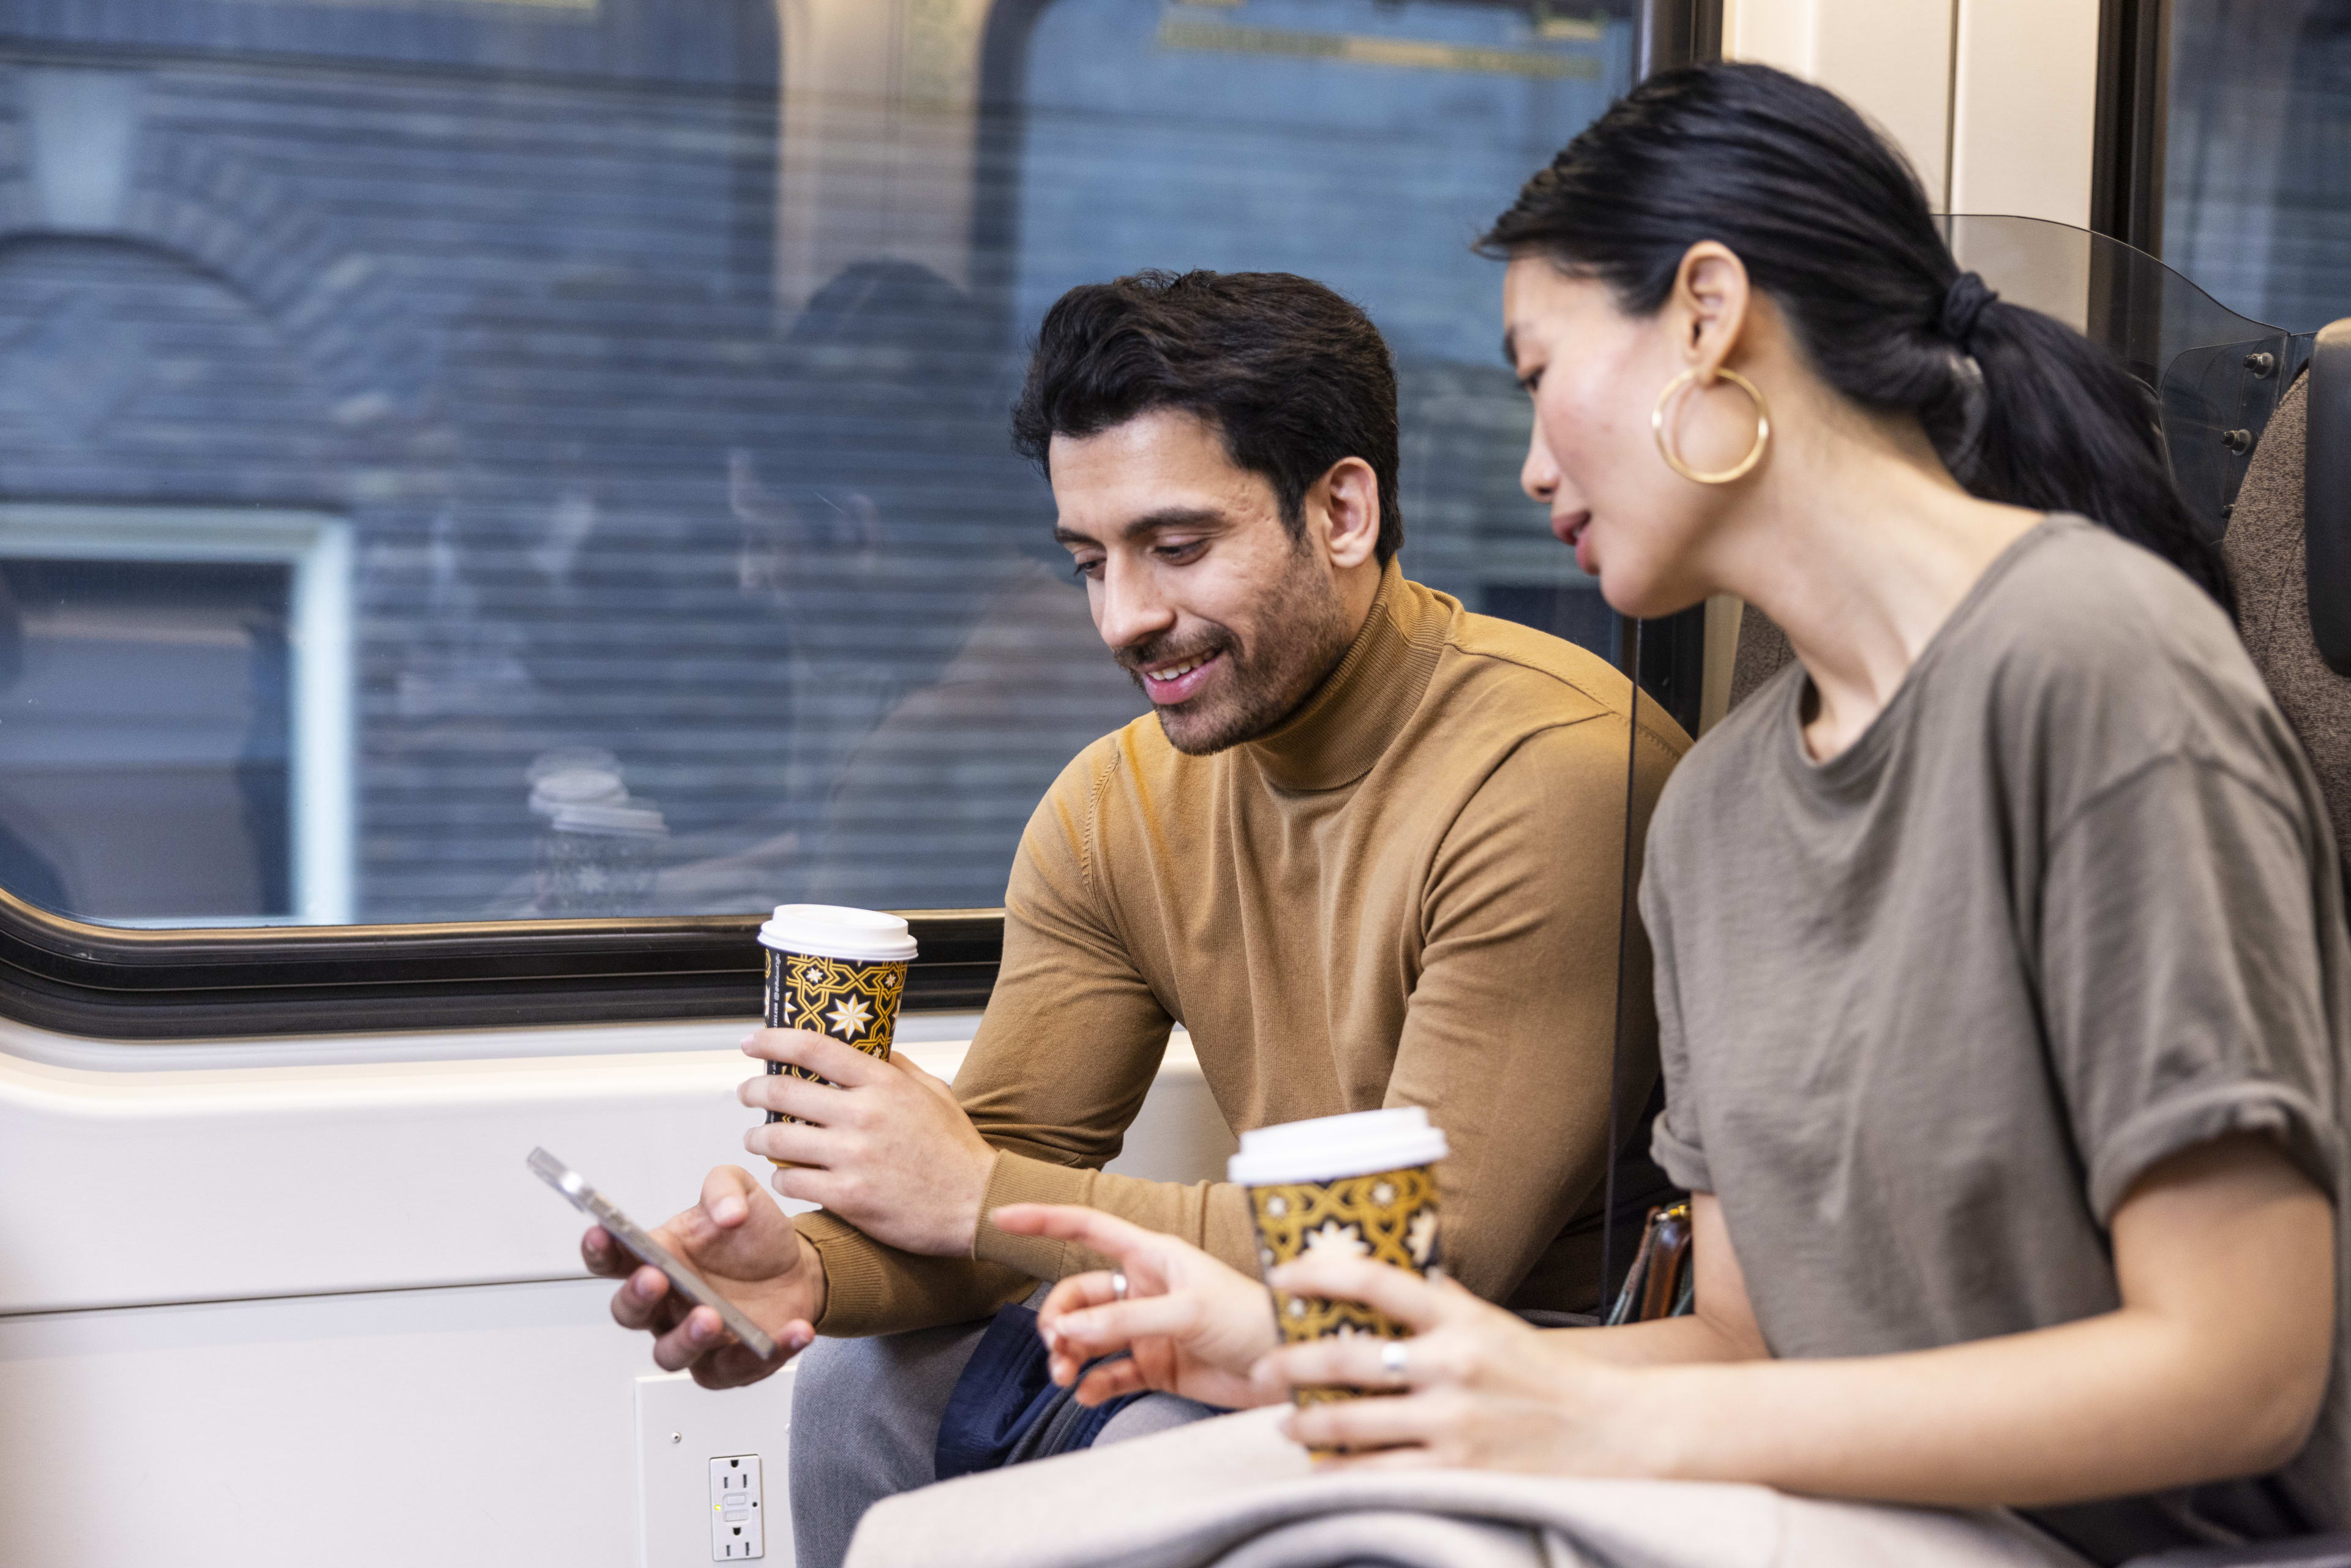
{"x": 2001, "y": 958}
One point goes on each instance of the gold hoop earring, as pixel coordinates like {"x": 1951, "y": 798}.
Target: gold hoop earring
{"x": 1739, "y": 470}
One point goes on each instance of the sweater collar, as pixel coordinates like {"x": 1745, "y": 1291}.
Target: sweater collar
{"x": 1344, "y": 727}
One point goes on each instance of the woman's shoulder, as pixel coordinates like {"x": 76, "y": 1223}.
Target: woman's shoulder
{"x": 1723, "y": 766}
{"x": 2078, "y": 621}
{"x": 2094, "y": 597}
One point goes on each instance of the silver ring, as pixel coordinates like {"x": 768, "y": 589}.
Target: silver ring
{"x": 1117, "y": 1285}
{"x": 1391, "y": 1357}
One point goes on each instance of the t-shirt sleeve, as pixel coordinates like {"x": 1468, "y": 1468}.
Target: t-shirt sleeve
{"x": 1674, "y": 1141}
{"x": 2184, "y": 992}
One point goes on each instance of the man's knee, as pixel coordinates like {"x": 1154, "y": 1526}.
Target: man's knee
{"x": 875, "y": 1403}
{"x": 865, "y": 1425}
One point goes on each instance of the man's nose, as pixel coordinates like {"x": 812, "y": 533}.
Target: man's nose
{"x": 1127, "y": 608}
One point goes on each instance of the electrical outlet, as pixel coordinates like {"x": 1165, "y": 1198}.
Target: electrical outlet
{"x": 680, "y": 1504}
{"x": 736, "y": 1532}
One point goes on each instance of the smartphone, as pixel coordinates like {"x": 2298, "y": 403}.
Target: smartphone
{"x": 632, "y": 1236}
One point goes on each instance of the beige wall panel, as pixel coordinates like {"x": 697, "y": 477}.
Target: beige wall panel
{"x": 2024, "y": 104}
{"x": 1889, "y": 58}
{"x": 879, "y": 98}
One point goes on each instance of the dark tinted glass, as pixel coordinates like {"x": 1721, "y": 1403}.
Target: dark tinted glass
{"x": 616, "y": 397}
{"x": 2257, "y": 165}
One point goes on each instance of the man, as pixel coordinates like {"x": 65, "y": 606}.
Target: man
{"x": 1368, "y": 850}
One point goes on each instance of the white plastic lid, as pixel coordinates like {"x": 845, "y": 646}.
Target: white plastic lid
{"x": 549, "y": 793}
{"x": 1330, "y": 1147}
{"x": 627, "y": 818}
{"x": 833, "y": 931}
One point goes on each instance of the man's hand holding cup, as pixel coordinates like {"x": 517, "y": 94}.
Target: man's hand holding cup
{"x": 877, "y": 1141}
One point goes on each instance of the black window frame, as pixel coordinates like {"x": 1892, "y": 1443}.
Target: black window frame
{"x": 2134, "y": 81}
{"x": 74, "y": 978}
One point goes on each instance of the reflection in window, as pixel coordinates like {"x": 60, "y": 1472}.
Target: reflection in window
{"x": 174, "y": 724}
{"x": 644, "y": 389}
{"x": 2257, "y": 172}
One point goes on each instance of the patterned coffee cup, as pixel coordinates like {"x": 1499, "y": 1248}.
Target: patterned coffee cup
{"x": 834, "y": 971}
{"x": 1358, "y": 1185}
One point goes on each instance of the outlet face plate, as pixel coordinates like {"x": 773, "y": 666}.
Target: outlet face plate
{"x": 737, "y": 1534}
{"x": 674, "y": 1478}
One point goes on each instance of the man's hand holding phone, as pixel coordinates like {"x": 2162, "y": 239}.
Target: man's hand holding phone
{"x": 747, "y": 1249}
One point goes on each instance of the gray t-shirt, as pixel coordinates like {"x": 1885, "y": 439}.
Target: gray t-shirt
{"x": 2067, "y": 907}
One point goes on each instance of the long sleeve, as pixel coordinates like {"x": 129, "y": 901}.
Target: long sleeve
{"x": 1075, "y": 1035}
{"x": 1509, "y": 1041}
{"x": 1069, "y": 1047}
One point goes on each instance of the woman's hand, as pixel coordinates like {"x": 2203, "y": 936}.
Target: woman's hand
{"x": 1191, "y": 1325}
{"x": 1485, "y": 1390}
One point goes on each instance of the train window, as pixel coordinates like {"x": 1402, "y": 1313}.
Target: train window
{"x": 526, "y": 482}
{"x": 2256, "y": 183}
{"x": 639, "y": 373}
{"x": 174, "y": 689}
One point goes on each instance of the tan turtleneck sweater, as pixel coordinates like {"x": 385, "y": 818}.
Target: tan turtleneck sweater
{"x": 1406, "y": 895}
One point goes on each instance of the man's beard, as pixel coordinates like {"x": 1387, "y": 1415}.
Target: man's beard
{"x": 1304, "y": 635}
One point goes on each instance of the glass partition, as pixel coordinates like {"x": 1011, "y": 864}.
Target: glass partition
{"x": 545, "y": 458}
{"x": 2215, "y": 376}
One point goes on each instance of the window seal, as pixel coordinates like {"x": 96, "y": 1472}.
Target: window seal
{"x": 2127, "y": 146}
{"x": 73, "y": 978}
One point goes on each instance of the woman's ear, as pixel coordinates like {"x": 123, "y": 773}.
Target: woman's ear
{"x": 1349, "y": 497}
{"x": 1709, "y": 306}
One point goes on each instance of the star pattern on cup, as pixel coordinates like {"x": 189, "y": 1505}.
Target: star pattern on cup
{"x": 850, "y": 1015}
{"x": 1333, "y": 1239}
{"x": 1420, "y": 1236}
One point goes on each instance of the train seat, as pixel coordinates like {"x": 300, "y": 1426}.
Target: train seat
{"x": 2289, "y": 547}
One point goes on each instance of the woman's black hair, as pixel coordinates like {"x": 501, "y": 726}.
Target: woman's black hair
{"x": 1829, "y": 221}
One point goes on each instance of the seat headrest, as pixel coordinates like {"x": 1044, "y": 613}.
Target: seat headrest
{"x": 2264, "y": 544}
{"x": 2326, "y": 496}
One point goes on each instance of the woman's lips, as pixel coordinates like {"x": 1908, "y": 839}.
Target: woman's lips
{"x": 1574, "y": 531}
{"x": 1168, "y": 693}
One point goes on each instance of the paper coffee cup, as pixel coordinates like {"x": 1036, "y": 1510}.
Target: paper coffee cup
{"x": 836, "y": 971}
{"x": 1358, "y": 1185}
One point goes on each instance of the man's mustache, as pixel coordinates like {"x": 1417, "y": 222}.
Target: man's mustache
{"x": 1162, "y": 650}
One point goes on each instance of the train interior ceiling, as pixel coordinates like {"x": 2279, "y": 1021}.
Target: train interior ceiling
{"x": 495, "y": 494}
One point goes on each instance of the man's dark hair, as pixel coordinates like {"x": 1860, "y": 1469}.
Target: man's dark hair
{"x": 1293, "y": 376}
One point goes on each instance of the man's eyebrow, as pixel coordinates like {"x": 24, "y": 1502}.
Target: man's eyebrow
{"x": 1511, "y": 348}
{"x": 1148, "y": 523}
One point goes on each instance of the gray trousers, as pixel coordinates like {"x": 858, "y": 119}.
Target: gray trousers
{"x": 865, "y": 1425}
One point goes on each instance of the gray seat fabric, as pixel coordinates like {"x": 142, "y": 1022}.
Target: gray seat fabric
{"x": 2265, "y": 548}
{"x": 1761, "y": 652}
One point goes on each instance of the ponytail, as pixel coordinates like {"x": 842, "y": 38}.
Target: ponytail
{"x": 1829, "y": 221}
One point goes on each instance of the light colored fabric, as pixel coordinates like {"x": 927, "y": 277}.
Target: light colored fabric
{"x": 1233, "y": 1493}
{"x": 1409, "y": 894}
{"x": 1929, "y": 1008}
